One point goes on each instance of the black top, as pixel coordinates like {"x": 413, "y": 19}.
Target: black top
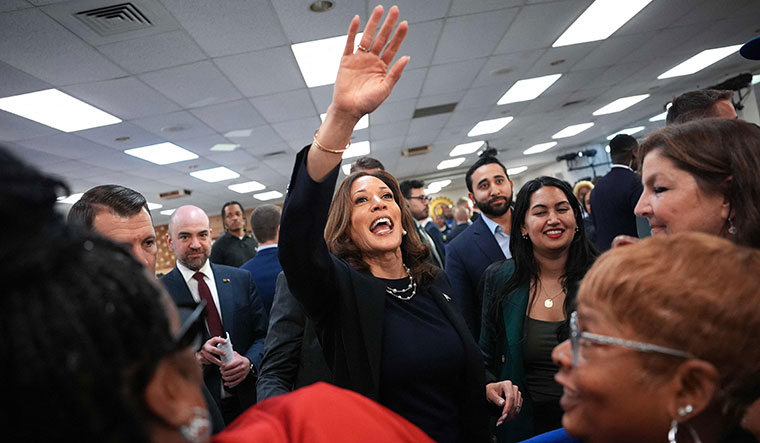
{"x": 612, "y": 203}
{"x": 422, "y": 367}
{"x": 229, "y": 250}
{"x": 540, "y": 340}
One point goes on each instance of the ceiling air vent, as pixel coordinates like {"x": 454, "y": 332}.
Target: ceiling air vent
{"x": 116, "y": 19}
{"x": 434, "y": 110}
{"x": 273, "y": 154}
{"x": 177, "y": 193}
{"x": 573, "y": 102}
{"x": 419, "y": 150}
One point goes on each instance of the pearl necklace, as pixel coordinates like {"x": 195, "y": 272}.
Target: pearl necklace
{"x": 397, "y": 292}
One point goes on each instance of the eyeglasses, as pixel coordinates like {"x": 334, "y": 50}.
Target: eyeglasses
{"x": 422, "y": 198}
{"x": 576, "y": 335}
{"x": 190, "y": 334}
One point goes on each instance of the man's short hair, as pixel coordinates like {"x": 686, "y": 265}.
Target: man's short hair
{"x": 407, "y": 186}
{"x": 230, "y": 203}
{"x": 264, "y": 221}
{"x": 484, "y": 160}
{"x": 365, "y": 163}
{"x": 622, "y": 147}
{"x": 119, "y": 200}
{"x": 695, "y": 105}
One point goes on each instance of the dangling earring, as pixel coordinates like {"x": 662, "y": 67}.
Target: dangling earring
{"x": 525, "y": 236}
{"x": 731, "y": 227}
{"x": 577, "y": 228}
{"x": 673, "y": 431}
{"x": 198, "y": 428}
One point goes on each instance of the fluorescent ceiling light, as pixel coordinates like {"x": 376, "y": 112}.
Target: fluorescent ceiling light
{"x": 244, "y": 188}
{"x": 319, "y": 60}
{"x": 541, "y": 147}
{"x": 224, "y": 147}
{"x": 626, "y": 131}
{"x": 700, "y": 61}
{"x": 659, "y": 117}
{"x": 168, "y": 211}
{"x": 600, "y": 20}
{"x": 466, "y": 148}
{"x": 153, "y": 206}
{"x": 70, "y": 199}
{"x": 516, "y": 170}
{"x": 528, "y": 89}
{"x": 214, "y": 175}
{"x": 607, "y": 148}
{"x": 620, "y": 104}
{"x": 269, "y": 195}
{"x": 451, "y": 163}
{"x": 756, "y": 79}
{"x": 572, "y": 130}
{"x": 361, "y": 124}
{"x": 489, "y": 126}
{"x": 439, "y": 184}
{"x": 53, "y": 108}
{"x": 162, "y": 153}
{"x": 346, "y": 169}
{"x": 357, "y": 149}
{"x": 239, "y": 133}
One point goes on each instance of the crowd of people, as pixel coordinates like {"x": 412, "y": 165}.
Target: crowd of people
{"x": 519, "y": 327}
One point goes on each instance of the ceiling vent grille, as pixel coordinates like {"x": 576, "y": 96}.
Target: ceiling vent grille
{"x": 177, "y": 193}
{"x": 419, "y": 150}
{"x": 113, "y": 20}
{"x": 572, "y": 102}
{"x": 434, "y": 110}
{"x": 273, "y": 154}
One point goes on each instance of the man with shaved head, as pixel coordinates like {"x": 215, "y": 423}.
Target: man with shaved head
{"x": 234, "y": 312}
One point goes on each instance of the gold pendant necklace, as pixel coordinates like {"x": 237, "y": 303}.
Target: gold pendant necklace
{"x": 549, "y": 301}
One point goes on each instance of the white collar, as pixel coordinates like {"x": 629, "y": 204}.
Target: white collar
{"x": 188, "y": 273}
{"x": 622, "y": 166}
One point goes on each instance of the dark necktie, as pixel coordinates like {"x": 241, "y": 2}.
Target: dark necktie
{"x": 213, "y": 319}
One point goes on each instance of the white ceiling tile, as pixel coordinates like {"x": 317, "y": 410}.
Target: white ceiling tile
{"x": 12, "y": 5}
{"x": 538, "y": 26}
{"x": 393, "y": 112}
{"x": 441, "y": 99}
{"x": 408, "y": 86}
{"x": 260, "y": 140}
{"x": 389, "y": 130}
{"x": 420, "y": 43}
{"x": 464, "y": 37}
{"x": 127, "y": 98}
{"x": 113, "y": 135}
{"x": 13, "y": 127}
{"x": 114, "y": 162}
{"x": 17, "y": 82}
{"x": 230, "y": 116}
{"x": 505, "y": 69}
{"x": 322, "y": 97}
{"x": 285, "y": 106}
{"x": 415, "y": 11}
{"x": 175, "y": 126}
{"x": 300, "y": 24}
{"x": 65, "y": 145}
{"x": 276, "y": 71}
{"x": 611, "y": 51}
{"x": 229, "y": 27}
{"x": 462, "y": 7}
{"x": 194, "y": 85}
{"x": 51, "y": 53}
{"x": 153, "y": 52}
{"x": 451, "y": 76}
{"x": 42, "y": 160}
{"x": 300, "y": 131}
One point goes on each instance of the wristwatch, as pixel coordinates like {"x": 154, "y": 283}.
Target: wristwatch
{"x": 253, "y": 370}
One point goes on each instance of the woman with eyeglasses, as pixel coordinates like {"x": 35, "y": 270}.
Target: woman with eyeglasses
{"x": 663, "y": 346}
{"x": 527, "y": 301}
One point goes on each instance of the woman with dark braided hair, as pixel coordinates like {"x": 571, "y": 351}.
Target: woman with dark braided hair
{"x": 528, "y": 298}
{"x": 91, "y": 354}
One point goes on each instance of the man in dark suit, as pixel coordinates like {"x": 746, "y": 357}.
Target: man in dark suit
{"x": 264, "y": 266}
{"x": 293, "y": 357}
{"x": 232, "y": 309}
{"x": 485, "y": 241}
{"x": 418, "y": 203}
{"x": 615, "y": 195}
{"x": 462, "y": 219}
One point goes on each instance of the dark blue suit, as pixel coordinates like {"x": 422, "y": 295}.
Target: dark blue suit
{"x": 612, "y": 202}
{"x": 264, "y": 268}
{"x": 467, "y": 256}
{"x": 243, "y": 317}
{"x": 432, "y": 229}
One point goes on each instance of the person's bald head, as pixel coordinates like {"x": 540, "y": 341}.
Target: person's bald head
{"x": 189, "y": 236}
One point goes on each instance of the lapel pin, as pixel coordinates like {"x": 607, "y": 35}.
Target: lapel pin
{"x": 446, "y": 296}
{"x": 225, "y": 280}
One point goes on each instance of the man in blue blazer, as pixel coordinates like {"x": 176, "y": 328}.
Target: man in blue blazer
{"x": 233, "y": 309}
{"x": 485, "y": 241}
{"x": 265, "y": 265}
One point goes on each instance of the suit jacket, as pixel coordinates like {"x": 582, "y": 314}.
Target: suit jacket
{"x": 457, "y": 229}
{"x": 467, "y": 256}
{"x": 432, "y": 229}
{"x": 348, "y": 306}
{"x": 264, "y": 267}
{"x": 293, "y": 357}
{"x": 612, "y": 202}
{"x": 243, "y": 317}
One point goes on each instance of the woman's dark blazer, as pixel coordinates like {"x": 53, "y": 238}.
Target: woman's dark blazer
{"x": 347, "y": 306}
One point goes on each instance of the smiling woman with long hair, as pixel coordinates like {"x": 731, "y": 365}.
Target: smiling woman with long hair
{"x": 527, "y": 301}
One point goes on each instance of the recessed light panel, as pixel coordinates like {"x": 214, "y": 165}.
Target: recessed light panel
{"x": 541, "y": 147}
{"x": 700, "y": 61}
{"x": 270, "y": 195}
{"x": 319, "y": 60}
{"x": 346, "y": 169}
{"x": 214, "y": 175}
{"x": 53, "y": 108}
{"x": 224, "y": 147}
{"x": 528, "y": 89}
{"x": 659, "y": 117}
{"x": 162, "y": 153}
{"x": 600, "y": 20}
{"x": 626, "y": 131}
{"x": 244, "y": 188}
{"x": 70, "y": 199}
{"x": 489, "y": 126}
{"x": 572, "y": 130}
{"x": 168, "y": 211}
{"x": 452, "y": 163}
{"x": 620, "y": 104}
{"x": 153, "y": 206}
{"x": 466, "y": 148}
{"x": 516, "y": 170}
{"x": 358, "y": 149}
